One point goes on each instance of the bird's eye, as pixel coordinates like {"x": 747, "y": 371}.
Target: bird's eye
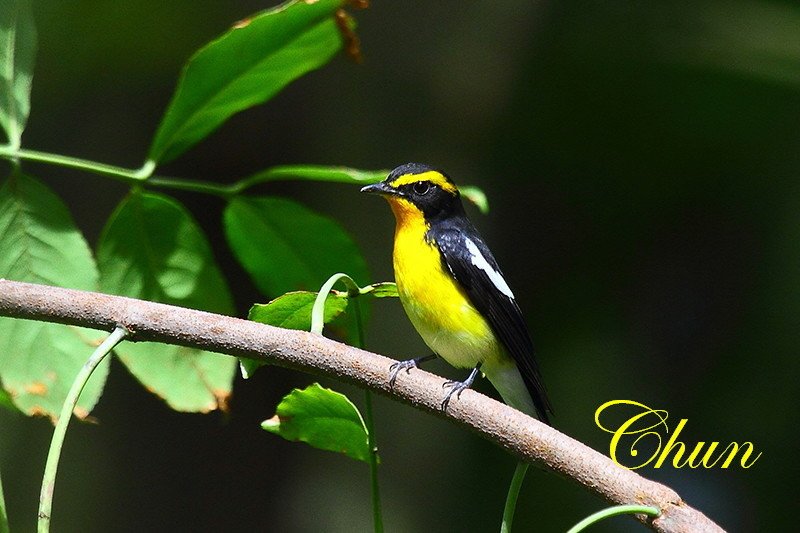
{"x": 422, "y": 187}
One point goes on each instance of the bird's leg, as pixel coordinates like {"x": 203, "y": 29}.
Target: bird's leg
{"x": 457, "y": 387}
{"x": 406, "y": 365}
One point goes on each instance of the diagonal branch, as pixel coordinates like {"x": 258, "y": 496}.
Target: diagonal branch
{"x": 519, "y": 434}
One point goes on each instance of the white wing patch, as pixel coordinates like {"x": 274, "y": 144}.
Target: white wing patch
{"x": 479, "y": 261}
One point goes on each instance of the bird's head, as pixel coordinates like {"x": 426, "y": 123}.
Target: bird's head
{"x": 415, "y": 188}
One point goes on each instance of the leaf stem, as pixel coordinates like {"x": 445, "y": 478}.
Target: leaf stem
{"x": 614, "y": 511}
{"x": 54, "y": 454}
{"x": 124, "y": 174}
{"x": 513, "y": 494}
{"x": 145, "y": 174}
{"x": 312, "y": 172}
{"x": 318, "y": 311}
{"x": 317, "y": 323}
{"x": 377, "y": 518}
{"x": 372, "y": 444}
{"x": 204, "y": 187}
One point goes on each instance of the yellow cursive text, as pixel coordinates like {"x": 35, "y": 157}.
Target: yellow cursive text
{"x": 644, "y": 426}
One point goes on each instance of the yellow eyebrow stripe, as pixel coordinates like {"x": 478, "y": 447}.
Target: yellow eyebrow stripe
{"x": 432, "y": 176}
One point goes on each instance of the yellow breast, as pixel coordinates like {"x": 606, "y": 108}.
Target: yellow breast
{"x": 437, "y": 307}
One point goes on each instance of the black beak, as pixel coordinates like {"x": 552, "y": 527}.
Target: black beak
{"x": 378, "y": 188}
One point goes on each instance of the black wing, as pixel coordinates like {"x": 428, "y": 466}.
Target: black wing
{"x": 501, "y": 310}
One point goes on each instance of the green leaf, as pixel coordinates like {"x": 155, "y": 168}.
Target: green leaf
{"x": 39, "y": 239}
{"x": 322, "y": 418}
{"x": 291, "y": 311}
{"x": 285, "y": 246}
{"x": 385, "y": 289}
{"x": 151, "y": 248}
{"x": 3, "y": 514}
{"x": 188, "y": 379}
{"x": 40, "y": 244}
{"x": 244, "y": 67}
{"x": 247, "y": 367}
{"x": 476, "y": 196}
{"x": 17, "y": 53}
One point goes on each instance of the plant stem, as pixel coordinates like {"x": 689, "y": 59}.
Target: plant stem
{"x": 377, "y": 517}
{"x": 309, "y": 172}
{"x": 317, "y": 323}
{"x": 125, "y": 174}
{"x": 614, "y": 511}
{"x": 145, "y": 173}
{"x": 54, "y": 454}
{"x": 513, "y": 494}
{"x": 318, "y": 310}
{"x": 205, "y": 187}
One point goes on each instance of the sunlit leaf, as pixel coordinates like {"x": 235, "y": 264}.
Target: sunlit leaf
{"x": 244, "y": 67}
{"x": 291, "y": 311}
{"x": 188, "y": 379}
{"x": 476, "y": 196}
{"x": 151, "y": 248}
{"x": 17, "y": 54}
{"x": 385, "y": 289}
{"x": 247, "y": 367}
{"x": 40, "y": 244}
{"x": 322, "y": 418}
{"x": 285, "y": 246}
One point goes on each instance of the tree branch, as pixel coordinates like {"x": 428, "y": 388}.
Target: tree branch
{"x": 518, "y": 433}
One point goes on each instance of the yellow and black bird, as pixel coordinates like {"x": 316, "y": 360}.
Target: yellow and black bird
{"x": 454, "y": 293}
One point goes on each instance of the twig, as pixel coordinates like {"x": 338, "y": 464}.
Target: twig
{"x": 60, "y": 431}
{"x": 513, "y": 493}
{"x": 612, "y": 511}
{"x": 521, "y": 435}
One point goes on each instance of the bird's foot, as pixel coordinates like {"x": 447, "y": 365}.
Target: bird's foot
{"x": 397, "y": 367}
{"x": 457, "y": 387}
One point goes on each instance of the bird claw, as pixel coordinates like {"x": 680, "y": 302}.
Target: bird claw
{"x": 456, "y": 387}
{"x": 397, "y": 367}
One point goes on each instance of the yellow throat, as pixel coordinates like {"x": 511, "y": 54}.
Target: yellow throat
{"x": 437, "y": 307}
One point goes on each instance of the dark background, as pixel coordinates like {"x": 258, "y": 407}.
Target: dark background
{"x": 641, "y": 160}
